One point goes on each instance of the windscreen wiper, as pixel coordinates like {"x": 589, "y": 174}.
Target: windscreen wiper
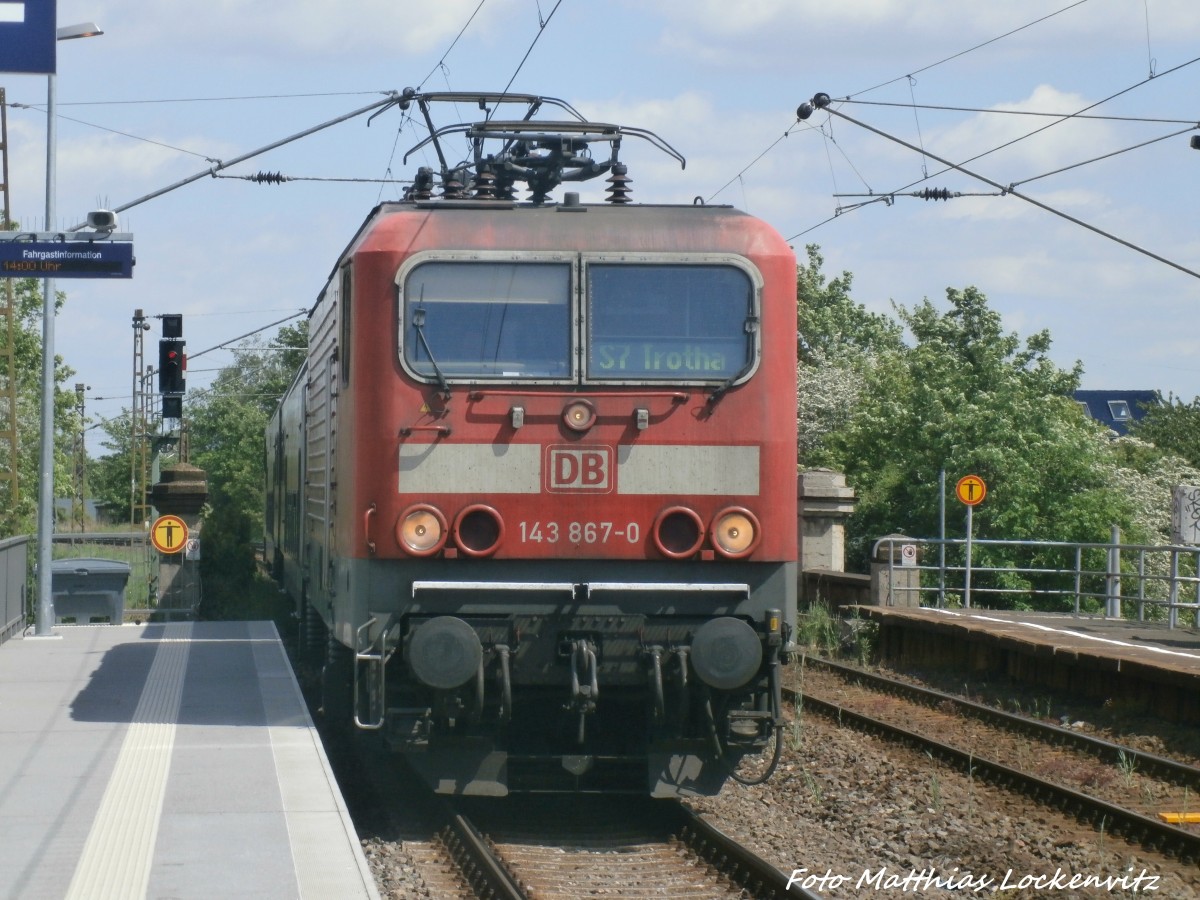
{"x": 419, "y": 326}
{"x": 750, "y": 327}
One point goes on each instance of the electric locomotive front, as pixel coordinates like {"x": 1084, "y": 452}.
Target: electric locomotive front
{"x": 550, "y": 490}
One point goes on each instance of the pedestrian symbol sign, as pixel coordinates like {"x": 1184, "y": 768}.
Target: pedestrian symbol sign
{"x": 168, "y": 534}
{"x": 970, "y": 490}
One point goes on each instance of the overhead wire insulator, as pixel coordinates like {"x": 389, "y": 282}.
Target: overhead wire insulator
{"x": 936, "y": 194}
{"x": 619, "y": 190}
{"x": 268, "y": 178}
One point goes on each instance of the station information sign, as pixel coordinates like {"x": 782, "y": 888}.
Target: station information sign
{"x": 66, "y": 259}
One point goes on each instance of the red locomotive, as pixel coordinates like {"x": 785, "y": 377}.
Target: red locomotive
{"x": 536, "y": 482}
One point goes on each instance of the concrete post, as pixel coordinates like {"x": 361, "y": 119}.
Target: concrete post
{"x": 824, "y": 505}
{"x": 895, "y": 576}
{"x": 181, "y": 491}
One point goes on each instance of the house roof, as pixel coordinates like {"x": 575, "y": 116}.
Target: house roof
{"x": 1116, "y": 409}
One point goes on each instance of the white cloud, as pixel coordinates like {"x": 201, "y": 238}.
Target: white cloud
{"x": 290, "y": 29}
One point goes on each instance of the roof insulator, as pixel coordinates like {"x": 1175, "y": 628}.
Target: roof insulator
{"x": 619, "y": 182}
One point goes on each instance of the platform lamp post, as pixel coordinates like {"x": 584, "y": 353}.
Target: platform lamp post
{"x": 44, "y": 619}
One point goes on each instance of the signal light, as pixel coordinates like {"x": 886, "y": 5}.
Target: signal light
{"x": 172, "y": 325}
{"x": 171, "y": 366}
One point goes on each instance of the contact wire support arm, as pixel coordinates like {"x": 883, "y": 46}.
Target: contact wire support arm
{"x": 391, "y": 98}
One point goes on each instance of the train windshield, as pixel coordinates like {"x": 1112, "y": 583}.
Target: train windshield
{"x": 467, "y": 319}
{"x": 669, "y": 322}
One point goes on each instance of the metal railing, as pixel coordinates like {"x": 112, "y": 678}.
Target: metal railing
{"x": 1116, "y": 580}
{"x": 14, "y": 568}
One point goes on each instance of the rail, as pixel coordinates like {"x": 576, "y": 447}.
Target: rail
{"x": 1133, "y": 826}
{"x": 1116, "y": 580}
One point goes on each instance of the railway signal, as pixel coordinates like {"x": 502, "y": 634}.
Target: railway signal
{"x": 172, "y": 366}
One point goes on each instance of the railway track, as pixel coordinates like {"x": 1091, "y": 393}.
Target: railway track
{"x": 628, "y": 847}
{"x": 543, "y": 846}
{"x": 1011, "y": 750}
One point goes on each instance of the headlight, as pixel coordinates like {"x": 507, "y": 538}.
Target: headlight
{"x": 579, "y": 415}
{"x": 735, "y": 532}
{"x": 421, "y": 530}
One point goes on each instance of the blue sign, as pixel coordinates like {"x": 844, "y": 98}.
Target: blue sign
{"x": 66, "y": 259}
{"x": 28, "y": 36}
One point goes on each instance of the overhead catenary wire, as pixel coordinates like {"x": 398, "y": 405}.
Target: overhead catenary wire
{"x": 926, "y": 194}
{"x": 542, "y": 24}
{"x": 442, "y": 60}
{"x": 1065, "y": 118}
{"x": 1079, "y": 114}
{"x": 392, "y": 98}
{"x": 1094, "y": 159}
{"x": 1147, "y": 120}
{"x": 280, "y": 178}
{"x": 822, "y": 101}
{"x": 240, "y": 337}
{"x": 980, "y": 46}
{"x": 909, "y": 75}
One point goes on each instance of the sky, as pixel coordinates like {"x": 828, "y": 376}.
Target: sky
{"x": 172, "y": 88}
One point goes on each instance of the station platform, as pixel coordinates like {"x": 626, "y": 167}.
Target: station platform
{"x": 1107, "y": 659}
{"x": 169, "y": 760}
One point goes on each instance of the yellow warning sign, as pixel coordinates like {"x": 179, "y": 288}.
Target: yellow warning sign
{"x": 168, "y": 534}
{"x": 970, "y": 490}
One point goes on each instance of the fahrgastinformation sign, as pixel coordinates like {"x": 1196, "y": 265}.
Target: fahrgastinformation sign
{"x": 33, "y": 256}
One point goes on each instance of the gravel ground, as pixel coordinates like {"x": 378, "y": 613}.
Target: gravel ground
{"x": 847, "y": 807}
{"x": 866, "y": 818}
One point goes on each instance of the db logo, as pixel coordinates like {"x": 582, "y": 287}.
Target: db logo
{"x": 579, "y": 469}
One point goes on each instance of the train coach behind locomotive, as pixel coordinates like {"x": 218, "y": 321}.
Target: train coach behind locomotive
{"x": 536, "y": 480}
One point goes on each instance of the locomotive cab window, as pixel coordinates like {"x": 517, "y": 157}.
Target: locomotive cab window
{"x": 675, "y": 322}
{"x": 471, "y": 319}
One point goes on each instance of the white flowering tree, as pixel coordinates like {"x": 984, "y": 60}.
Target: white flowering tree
{"x": 837, "y": 344}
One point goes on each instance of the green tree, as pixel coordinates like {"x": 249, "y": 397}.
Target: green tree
{"x": 970, "y": 398}
{"x": 838, "y": 341}
{"x": 1173, "y": 428}
{"x": 830, "y": 324}
{"x": 21, "y": 517}
{"x": 226, "y": 427}
{"x": 109, "y": 476}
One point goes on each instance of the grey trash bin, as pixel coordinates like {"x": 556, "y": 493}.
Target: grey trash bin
{"x": 88, "y": 591}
